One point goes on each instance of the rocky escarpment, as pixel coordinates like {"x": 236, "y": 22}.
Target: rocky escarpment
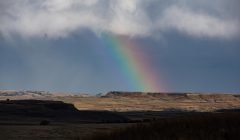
{"x": 184, "y": 97}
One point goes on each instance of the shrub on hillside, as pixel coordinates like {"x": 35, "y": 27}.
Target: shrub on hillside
{"x": 44, "y": 122}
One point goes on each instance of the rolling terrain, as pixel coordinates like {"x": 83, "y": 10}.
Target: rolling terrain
{"x": 134, "y": 101}
{"x": 27, "y": 115}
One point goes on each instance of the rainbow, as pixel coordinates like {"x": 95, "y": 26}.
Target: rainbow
{"x": 132, "y": 62}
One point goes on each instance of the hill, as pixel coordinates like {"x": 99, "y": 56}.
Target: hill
{"x": 34, "y": 111}
{"x": 135, "y": 101}
{"x": 45, "y": 115}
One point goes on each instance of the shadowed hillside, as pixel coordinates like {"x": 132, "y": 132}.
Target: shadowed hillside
{"x": 20, "y": 111}
{"x": 207, "y": 126}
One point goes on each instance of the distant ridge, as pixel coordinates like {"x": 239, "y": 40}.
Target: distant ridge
{"x": 30, "y": 94}
{"x": 133, "y": 101}
{"x": 201, "y": 97}
{"x": 177, "y": 96}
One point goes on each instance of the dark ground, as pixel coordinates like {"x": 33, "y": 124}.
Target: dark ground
{"x": 36, "y": 119}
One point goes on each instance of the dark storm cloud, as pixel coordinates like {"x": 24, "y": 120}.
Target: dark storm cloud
{"x": 59, "y": 18}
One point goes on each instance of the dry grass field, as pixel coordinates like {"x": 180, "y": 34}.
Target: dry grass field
{"x": 64, "y": 131}
{"x": 155, "y": 102}
{"x": 28, "y": 115}
{"x": 135, "y": 101}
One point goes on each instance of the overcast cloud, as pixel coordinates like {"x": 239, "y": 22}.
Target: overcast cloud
{"x": 59, "y": 18}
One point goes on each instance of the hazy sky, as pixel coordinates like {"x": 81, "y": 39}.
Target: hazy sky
{"x": 56, "y": 45}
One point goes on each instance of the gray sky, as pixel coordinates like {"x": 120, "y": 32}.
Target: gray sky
{"x": 57, "y": 45}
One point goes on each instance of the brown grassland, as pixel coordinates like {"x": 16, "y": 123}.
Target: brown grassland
{"x": 30, "y": 115}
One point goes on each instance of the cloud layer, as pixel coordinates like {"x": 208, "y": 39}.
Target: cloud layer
{"x": 59, "y": 18}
